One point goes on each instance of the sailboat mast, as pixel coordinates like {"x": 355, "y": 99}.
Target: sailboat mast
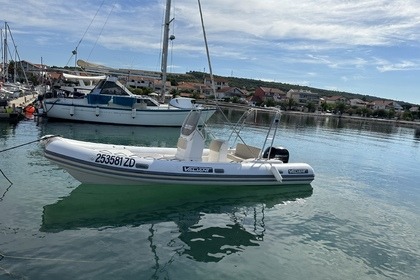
{"x": 2, "y": 60}
{"x": 207, "y": 50}
{"x": 5, "y": 62}
{"x": 164, "y": 64}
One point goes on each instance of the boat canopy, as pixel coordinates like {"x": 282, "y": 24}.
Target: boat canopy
{"x": 90, "y": 78}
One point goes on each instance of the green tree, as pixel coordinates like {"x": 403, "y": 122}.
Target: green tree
{"x": 291, "y": 103}
{"x": 380, "y": 113}
{"x": 407, "y": 116}
{"x": 195, "y": 95}
{"x": 340, "y": 107}
{"x": 391, "y": 113}
{"x": 235, "y": 99}
{"x": 311, "y": 107}
{"x": 269, "y": 103}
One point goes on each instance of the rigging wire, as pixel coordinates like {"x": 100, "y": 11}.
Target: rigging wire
{"x": 234, "y": 128}
{"x": 16, "y": 52}
{"x": 100, "y": 33}
{"x": 74, "y": 52}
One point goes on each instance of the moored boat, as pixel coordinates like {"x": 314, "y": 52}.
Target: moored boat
{"x": 188, "y": 163}
{"x": 112, "y": 103}
{"x": 10, "y": 113}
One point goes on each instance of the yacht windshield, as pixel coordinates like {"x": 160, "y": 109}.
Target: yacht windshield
{"x": 112, "y": 88}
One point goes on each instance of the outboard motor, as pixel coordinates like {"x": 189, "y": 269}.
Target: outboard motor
{"x": 278, "y": 153}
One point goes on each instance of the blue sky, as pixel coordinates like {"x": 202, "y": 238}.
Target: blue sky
{"x": 367, "y": 47}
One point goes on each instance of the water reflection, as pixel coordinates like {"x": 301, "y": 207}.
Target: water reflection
{"x": 298, "y": 121}
{"x": 116, "y": 134}
{"x": 373, "y": 246}
{"x": 337, "y": 123}
{"x": 214, "y": 243}
{"x": 6, "y": 129}
{"x": 189, "y": 207}
{"x": 417, "y": 133}
{"x": 3, "y": 193}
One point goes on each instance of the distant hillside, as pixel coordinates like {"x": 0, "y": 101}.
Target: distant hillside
{"x": 251, "y": 85}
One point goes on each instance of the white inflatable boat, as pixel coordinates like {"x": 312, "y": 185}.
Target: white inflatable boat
{"x": 188, "y": 163}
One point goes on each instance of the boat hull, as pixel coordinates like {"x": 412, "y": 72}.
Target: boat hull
{"x": 93, "y": 163}
{"x": 79, "y": 110}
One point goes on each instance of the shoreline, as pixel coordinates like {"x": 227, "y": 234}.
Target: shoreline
{"x": 412, "y": 124}
{"x": 371, "y": 119}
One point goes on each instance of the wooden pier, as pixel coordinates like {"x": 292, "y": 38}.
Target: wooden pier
{"x": 13, "y": 111}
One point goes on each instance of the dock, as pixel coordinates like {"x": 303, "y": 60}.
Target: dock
{"x": 23, "y": 101}
{"x": 13, "y": 112}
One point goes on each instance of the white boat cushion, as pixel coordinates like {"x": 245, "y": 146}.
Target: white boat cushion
{"x": 217, "y": 150}
{"x": 190, "y": 148}
{"x": 246, "y": 151}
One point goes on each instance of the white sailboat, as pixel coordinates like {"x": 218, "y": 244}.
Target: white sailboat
{"x": 111, "y": 102}
{"x": 11, "y": 89}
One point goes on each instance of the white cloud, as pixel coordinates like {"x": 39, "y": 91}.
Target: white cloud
{"x": 405, "y": 65}
{"x": 311, "y": 25}
{"x": 306, "y": 41}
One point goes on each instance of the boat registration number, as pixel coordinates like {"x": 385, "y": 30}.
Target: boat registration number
{"x": 115, "y": 160}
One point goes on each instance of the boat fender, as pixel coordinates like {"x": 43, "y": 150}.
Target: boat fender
{"x": 72, "y": 111}
{"x": 97, "y": 111}
{"x": 276, "y": 173}
{"x": 133, "y": 113}
{"x": 29, "y": 109}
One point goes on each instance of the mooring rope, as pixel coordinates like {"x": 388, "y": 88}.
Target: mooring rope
{"x": 3, "y": 256}
{"x": 30, "y": 142}
{"x": 29, "y": 258}
{"x": 4, "y": 175}
{"x": 15, "y": 147}
{"x": 7, "y": 189}
{"x": 18, "y": 146}
{"x": 55, "y": 102}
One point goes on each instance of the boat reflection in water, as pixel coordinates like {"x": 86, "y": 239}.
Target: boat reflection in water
{"x": 99, "y": 206}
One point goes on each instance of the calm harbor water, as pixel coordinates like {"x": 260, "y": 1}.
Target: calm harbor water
{"x": 358, "y": 220}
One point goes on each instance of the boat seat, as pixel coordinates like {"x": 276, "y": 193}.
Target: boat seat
{"x": 190, "y": 148}
{"x": 243, "y": 152}
{"x": 217, "y": 151}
